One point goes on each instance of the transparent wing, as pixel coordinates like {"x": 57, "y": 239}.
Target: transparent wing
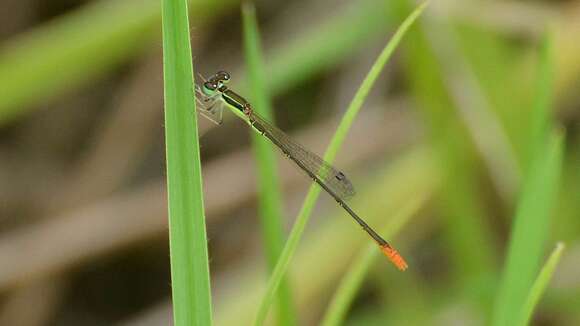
{"x": 209, "y": 107}
{"x": 330, "y": 176}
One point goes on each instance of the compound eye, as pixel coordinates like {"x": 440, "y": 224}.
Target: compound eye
{"x": 224, "y": 76}
{"x": 209, "y": 88}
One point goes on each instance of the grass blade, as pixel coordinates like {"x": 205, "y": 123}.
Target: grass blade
{"x": 354, "y": 277}
{"x": 531, "y": 222}
{"x": 187, "y": 233}
{"x": 329, "y": 156}
{"x": 540, "y": 284}
{"x": 529, "y": 232}
{"x": 540, "y": 115}
{"x": 268, "y": 182}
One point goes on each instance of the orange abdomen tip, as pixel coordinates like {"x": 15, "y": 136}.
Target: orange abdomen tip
{"x": 394, "y": 257}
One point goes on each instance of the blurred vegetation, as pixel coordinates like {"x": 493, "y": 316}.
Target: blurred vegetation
{"x": 466, "y": 155}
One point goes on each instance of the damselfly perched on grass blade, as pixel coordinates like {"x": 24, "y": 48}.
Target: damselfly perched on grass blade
{"x": 214, "y": 94}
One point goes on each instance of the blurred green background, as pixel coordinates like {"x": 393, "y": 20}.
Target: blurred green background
{"x": 466, "y": 152}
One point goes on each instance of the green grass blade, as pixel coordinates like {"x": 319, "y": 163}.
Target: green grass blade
{"x": 368, "y": 82}
{"x": 354, "y": 277}
{"x": 540, "y": 115}
{"x": 270, "y": 197}
{"x": 329, "y": 156}
{"x": 529, "y": 232}
{"x": 539, "y": 194}
{"x": 540, "y": 284}
{"x": 187, "y": 233}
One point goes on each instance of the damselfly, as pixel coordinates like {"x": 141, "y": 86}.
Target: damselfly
{"x": 214, "y": 93}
